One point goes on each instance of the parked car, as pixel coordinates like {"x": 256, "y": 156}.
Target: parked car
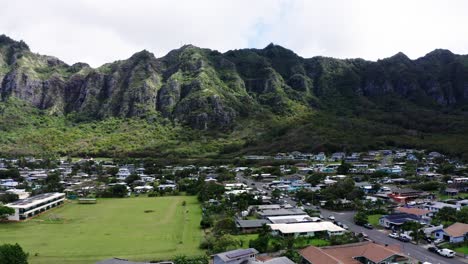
{"x": 428, "y": 239}
{"x": 438, "y": 241}
{"x": 448, "y": 253}
{"x": 393, "y": 235}
{"x": 331, "y": 217}
{"x": 404, "y": 239}
{"x": 368, "y": 226}
{"x": 364, "y": 235}
{"x": 339, "y": 224}
{"x": 433, "y": 249}
{"x": 321, "y": 217}
{"x": 345, "y": 226}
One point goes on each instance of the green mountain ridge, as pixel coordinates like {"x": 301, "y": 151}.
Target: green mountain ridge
{"x": 200, "y": 102}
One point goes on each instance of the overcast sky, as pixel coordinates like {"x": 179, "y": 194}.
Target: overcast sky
{"x": 100, "y": 31}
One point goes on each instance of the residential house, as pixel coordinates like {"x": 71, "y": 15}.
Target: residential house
{"x": 247, "y": 256}
{"x": 306, "y": 229}
{"x": 281, "y": 212}
{"x": 451, "y": 191}
{"x": 320, "y": 157}
{"x": 423, "y": 214}
{"x": 405, "y": 195}
{"x": 434, "y": 207}
{"x": 456, "y": 233}
{"x": 237, "y": 256}
{"x": 394, "y": 221}
{"x": 364, "y": 252}
{"x": 248, "y": 226}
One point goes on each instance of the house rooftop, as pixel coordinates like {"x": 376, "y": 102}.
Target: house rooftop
{"x": 251, "y": 223}
{"x": 306, "y": 227}
{"x": 412, "y": 211}
{"x": 400, "y": 218}
{"x": 278, "y": 212}
{"x": 235, "y": 254}
{"x": 457, "y": 230}
{"x": 346, "y": 254}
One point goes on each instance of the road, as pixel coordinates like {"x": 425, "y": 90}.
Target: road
{"x": 415, "y": 251}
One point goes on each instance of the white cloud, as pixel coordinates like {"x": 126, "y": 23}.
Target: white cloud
{"x": 100, "y": 31}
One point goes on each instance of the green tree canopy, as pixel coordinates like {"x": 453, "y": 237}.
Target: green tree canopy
{"x": 12, "y": 254}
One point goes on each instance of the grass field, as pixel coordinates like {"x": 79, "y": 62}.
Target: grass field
{"x": 374, "y": 219}
{"x": 110, "y": 228}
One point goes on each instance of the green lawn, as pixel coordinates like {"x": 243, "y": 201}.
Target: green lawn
{"x": 463, "y": 250}
{"x": 374, "y": 219}
{"x": 111, "y": 228}
{"x": 245, "y": 239}
{"x": 317, "y": 242}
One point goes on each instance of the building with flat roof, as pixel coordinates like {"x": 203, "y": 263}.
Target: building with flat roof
{"x": 34, "y": 205}
{"x": 280, "y": 212}
{"x": 307, "y": 229}
{"x": 290, "y": 219}
{"x": 237, "y": 256}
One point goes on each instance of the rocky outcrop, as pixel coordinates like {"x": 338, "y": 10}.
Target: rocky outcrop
{"x": 207, "y": 89}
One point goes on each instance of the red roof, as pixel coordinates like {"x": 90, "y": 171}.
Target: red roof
{"x": 413, "y": 211}
{"x": 346, "y": 254}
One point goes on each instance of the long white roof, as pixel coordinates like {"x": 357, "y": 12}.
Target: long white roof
{"x": 306, "y": 227}
{"x": 35, "y": 200}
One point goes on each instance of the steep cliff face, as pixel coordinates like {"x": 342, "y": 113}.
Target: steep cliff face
{"x": 207, "y": 89}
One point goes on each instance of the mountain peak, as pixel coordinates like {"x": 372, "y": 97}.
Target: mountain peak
{"x": 5, "y": 40}
{"x": 273, "y": 50}
{"x": 142, "y": 55}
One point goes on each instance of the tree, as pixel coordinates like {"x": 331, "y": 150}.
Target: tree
{"x": 446, "y": 214}
{"x": 5, "y": 211}
{"x": 117, "y": 191}
{"x": 462, "y": 215}
{"x": 181, "y": 259}
{"x": 209, "y": 191}
{"x": 225, "y": 226}
{"x": 263, "y": 239}
{"x": 132, "y": 178}
{"x": 113, "y": 171}
{"x": 361, "y": 218}
{"x": 275, "y": 194}
{"x": 12, "y": 254}
{"x": 343, "y": 168}
{"x": 53, "y": 182}
{"x": 8, "y": 198}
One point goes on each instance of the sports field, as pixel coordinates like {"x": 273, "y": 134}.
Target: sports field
{"x": 79, "y": 233}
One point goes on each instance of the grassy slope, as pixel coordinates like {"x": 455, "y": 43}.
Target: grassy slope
{"x": 111, "y": 228}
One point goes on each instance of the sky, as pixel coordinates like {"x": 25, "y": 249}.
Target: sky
{"x": 101, "y": 31}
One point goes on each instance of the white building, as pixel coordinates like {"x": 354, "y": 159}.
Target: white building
{"x": 306, "y": 229}
{"x": 34, "y": 205}
{"x": 123, "y": 173}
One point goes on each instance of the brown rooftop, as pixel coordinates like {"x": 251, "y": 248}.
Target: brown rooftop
{"x": 346, "y": 254}
{"x": 413, "y": 211}
{"x": 457, "y": 230}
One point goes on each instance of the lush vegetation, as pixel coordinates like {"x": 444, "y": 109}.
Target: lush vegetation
{"x": 200, "y": 103}
{"x": 133, "y": 228}
{"x": 12, "y": 254}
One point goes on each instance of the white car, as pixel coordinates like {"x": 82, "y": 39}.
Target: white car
{"x": 446, "y": 252}
{"x": 393, "y": 235}
{"x": 331, "y": 217}
{"x": 438, "y": 241}
{"x": 345, "y": 226}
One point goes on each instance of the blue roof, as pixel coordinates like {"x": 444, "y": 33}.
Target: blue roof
{"x": 400, "y": 218}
